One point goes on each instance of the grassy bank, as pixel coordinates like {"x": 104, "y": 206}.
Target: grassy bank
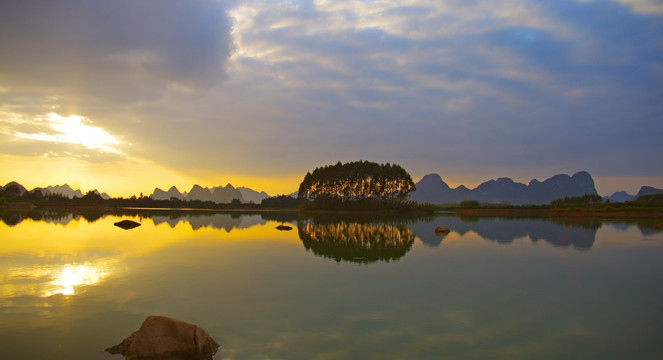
{"x": 634, "y": 209}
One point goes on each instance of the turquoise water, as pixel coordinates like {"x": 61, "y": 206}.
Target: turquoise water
{"x": 334, "y": 288}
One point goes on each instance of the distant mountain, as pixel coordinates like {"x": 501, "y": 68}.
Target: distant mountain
{"x": 103, "y": 195}
{"x": 432, "y": 189}
{"x": 648, "y": 190}
{"x": 622, "y": 196}
{"x": 226, "y": 194}
{"x": 251, "y": 195}
{"x": 219, "y": 194}
{"x": 167, "y": 195}
{"x": 14, "y": 186}
{"x": 64, "y": 190}
{"x": 197, "y": 192}
{"x": 619, "y": 196}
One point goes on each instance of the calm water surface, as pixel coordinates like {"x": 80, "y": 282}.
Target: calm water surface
{"x": 334, "y": 288}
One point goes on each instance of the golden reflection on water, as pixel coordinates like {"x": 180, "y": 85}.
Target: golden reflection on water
{"x": 72, "y": 276}
{"x": 54, "y": 279}
{"x": 42, "y": 259}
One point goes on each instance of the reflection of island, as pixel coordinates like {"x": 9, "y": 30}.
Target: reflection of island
{"x": 558, "y": 232}
{"x": 356, "y": 242}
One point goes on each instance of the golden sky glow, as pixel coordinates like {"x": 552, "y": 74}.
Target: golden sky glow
{"x": 126, "y": 177}
{"x": 74, "y": 129}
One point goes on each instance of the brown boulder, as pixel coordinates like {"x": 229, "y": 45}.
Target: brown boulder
{"x": 442, "y": 230}
{"x": 161, "y": 338}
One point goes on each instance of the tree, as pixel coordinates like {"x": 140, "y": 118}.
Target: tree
{"x": 92, "y": 197}
{"x": 577, "y": 200}
{"x": 356, "y": 181}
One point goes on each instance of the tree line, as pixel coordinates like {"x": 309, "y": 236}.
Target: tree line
{"x": 357, "y": 180}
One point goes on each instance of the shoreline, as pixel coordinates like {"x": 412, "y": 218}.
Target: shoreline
{"x": 613, "y": 213}
{"x": 556, "y": 213}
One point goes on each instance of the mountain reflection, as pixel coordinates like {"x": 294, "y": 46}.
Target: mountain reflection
{"x": 226, "y": 222}
{"x": 355, "y": 241}
{"x": 577, "y": 233}
{"x": 196, "y": 219}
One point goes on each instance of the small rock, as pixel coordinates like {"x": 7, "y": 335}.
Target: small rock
{"x": 161, "y": 337}
{"x": 442, "y": 230}
{"x": 284, "y": 227}
{"x": 127, "y": 224}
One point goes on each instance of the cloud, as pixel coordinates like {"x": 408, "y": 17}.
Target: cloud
{"x": 654, "y": 7}
{"x": 279, "y": 87}
{"x": 123, "y": 51}
{"x": 525, "y": 69}
{"x": 72, "y": 130}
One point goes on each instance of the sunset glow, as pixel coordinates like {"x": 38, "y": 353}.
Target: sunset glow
{"x": 73, "y": 130}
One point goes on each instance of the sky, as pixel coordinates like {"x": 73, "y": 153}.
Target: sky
{"x": 125, "y": 96}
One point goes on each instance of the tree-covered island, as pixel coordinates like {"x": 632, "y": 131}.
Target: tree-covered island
{"x": 358, "y": 185}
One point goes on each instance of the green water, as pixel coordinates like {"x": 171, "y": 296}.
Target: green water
{"x": 334, "y": 288}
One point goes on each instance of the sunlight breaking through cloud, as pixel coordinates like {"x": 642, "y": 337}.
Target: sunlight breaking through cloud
{"x": 74, "y": 129}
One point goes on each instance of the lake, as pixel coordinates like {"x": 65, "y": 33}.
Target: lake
{"x": 333, "y": 287}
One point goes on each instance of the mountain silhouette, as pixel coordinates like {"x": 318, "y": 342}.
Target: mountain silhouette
{"x": 432, "y": 189}
{"x": 219, "y": 194}
{"x": 226, "y": 194}
{"x": 14, "y": 188}
{"x": 619, "y": 196}
{"x": 648, "y": 190}
{"x": 64, "y": 190}
{"x": 159, "y": 194}
{"x": 251, "y": 195}
{"x": 622, "y": 196}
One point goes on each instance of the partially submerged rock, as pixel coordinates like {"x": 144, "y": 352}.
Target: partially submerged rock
{"x": 284, "y": 227}
{"x": 127, "y": 224}
{"x": 161, "y": 338}
{"x": 441, "y": 230}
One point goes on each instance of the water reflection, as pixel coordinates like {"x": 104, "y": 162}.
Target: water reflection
{"x": 44, "y": 280}
{"x": 558, "y": 232}
{"x": 226, "y": 222}
{"x": 78, "y": 288}
{"x": 196, "y": 219}
{"x": 359, "y": 242}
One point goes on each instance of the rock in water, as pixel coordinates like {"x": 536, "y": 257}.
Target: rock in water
{"x": 161, "y": 338}
{"x": 284, "y": 227}
{"x": 441, "y": 230}
{"x": 127, "y": 224}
